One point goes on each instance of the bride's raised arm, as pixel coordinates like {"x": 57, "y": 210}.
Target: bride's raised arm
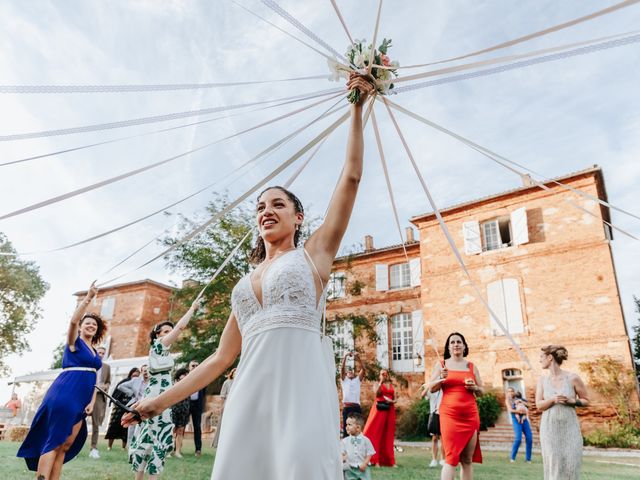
{"x": 324, "y": 243}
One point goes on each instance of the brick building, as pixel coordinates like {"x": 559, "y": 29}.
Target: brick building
{"x": 545, "y": 268}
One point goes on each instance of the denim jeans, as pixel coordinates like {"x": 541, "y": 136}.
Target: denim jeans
{"x": 518, "y": 430}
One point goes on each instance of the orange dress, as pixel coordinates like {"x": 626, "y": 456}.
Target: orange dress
{"x": 459, "y": 417}
{"x": 381, "y": 429}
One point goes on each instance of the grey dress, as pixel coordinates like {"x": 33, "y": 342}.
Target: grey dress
{"x": 560, "y": 437}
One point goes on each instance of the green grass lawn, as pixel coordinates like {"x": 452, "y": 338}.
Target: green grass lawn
{"x": 411, "y": 466}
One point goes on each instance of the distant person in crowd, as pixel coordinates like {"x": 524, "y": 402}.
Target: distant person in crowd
{"x": 351, "y": 383}
{"x": 135, "y": 388}
{"x": 115, "y": 430}
{"x": 196, "y": 408}
{"x": 153, "y": 440}
{"x": 224, "y": 392}
{"x": 14, "y": 405}
{"x": 460, "y": 382}
{"x": 179, "y": 416}
{"x": 381, "y": 424}
{"x": 59, "y": 430}
{"x": 558, "y": 394}
{"x": 433, "y": 426}
{"x": 100, "y": 405}
{"x": 520, "y": 422}
{"x": 357, "y": 450}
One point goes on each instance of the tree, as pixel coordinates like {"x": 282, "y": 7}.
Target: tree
{"x": 635, "y": 341}
{"x": 21, "y": 289}
{"x": 197, "y": 260}
{"x": 57, "y": 356}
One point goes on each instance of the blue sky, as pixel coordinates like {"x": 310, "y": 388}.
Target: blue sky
{"x": 557, "y": 117}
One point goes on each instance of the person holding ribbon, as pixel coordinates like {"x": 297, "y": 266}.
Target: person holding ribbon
{"x": 460, "y": 382}
{"x": 381, "y": 424}
{"x": 59, "y": 429}
{"x": 153, "y": 440}
{"x": 287, "y": 366}
{"x": 557, "y": 396}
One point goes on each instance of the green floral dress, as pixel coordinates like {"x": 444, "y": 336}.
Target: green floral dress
{"x": 153, "y": 438}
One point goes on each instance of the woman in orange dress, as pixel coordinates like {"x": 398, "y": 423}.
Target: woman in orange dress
{"x": 381, "y": 424}
{"x": 459, "y": 417}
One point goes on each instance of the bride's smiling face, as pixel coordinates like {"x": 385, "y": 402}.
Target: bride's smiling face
{"x": 276, "y": 216}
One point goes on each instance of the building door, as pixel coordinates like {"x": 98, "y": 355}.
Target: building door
{"x": 512, "y": 377}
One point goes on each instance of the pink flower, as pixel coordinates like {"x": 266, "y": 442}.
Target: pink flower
{"x": 385, "y": 60}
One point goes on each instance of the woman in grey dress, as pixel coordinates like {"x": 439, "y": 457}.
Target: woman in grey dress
{"x": 226, "y": 386}
{"x": 557, "y": 396}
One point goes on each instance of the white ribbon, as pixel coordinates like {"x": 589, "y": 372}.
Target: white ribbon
{"x": 344, "y": 25}
{"x": 374, "y": 123}
{"x": 500, "y": 160}
{"x": 137, "y": 171}
{"x": 38, "y": 89}
{"x": 159, "y": 118}
{"x": 375, "y": 36}
{"x": 540, "y": 33}
{"x": 452, "y": 244}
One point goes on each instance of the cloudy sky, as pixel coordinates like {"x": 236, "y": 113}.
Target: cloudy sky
{"x": 557, "y": 117}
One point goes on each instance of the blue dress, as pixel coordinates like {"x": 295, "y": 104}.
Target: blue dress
{"x": 62, "y": 407}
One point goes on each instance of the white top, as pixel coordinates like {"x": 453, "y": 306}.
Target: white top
{"x": 351, "y": 390}
{"x": 434, "y": 401}
{"x": 357, "y": 449}
{"x": 194, "y": 396}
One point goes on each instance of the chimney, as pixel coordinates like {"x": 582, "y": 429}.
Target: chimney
{"x": 527, "y": 181}
{"x": 409, "y": 232}
{"x": 368, "y": 243}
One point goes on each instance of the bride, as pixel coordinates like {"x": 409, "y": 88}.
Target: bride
{"x": 281, "y": 416}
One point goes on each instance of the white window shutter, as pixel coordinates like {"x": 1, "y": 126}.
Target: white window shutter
{"x": 418, "y": 335}
{"x": 108, "y": 307}
{"x": 414, "y": 268}
{"x": 382, "y": 277}
{"x": 382, "y": 347}
{"x": 496, "y": 301}
{"x": 519, "y": 227}
{"x": 472, "y": 239}
{"x": 350, "y": 340}
{"x": 513, "y": 307}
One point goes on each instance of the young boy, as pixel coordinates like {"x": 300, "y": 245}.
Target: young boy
{"x": 357, "y": 450}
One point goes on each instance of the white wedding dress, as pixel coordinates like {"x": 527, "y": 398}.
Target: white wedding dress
{"x": 281, "y": 418}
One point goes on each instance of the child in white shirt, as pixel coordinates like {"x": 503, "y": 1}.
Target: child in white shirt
{"x": 357, "y": 450}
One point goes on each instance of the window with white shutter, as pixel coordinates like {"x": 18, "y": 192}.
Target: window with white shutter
{"x": 503, "y": 297}
{"x": 418, "y": 340}
{"x": 519, "y": 226}
{"x": 336, "y": 287}
{"x": 399, "y": 275}
{"x": 107, "y": 308}
{"x": 414, "y": 270}
{"x": 472, "y": 239}
{"x": 382, "y": 347}
{"x": 342, "y": 334}
{"x": 382, "y": 277}
{"x": 402, "y": 342}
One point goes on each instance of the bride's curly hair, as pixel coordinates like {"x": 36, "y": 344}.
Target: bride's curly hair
{"x": 259, "y": 253}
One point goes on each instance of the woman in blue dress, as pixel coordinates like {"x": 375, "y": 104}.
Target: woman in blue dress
{"x": 59, "y": 430}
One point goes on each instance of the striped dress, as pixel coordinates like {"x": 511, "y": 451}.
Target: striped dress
{"x": 560, "y": 437}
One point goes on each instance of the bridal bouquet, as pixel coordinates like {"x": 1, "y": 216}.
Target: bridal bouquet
{"x": 358, "y": 54}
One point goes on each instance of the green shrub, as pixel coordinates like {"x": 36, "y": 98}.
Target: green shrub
{"x": 614, "y": 436}
{"x": 411, "y": 423}
{"x": 489, "y": 408}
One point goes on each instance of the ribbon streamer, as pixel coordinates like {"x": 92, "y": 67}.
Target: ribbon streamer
{"x": 525, "y": 63}
{"x": 39, "y": 89}
{"x": 139, "y": 135}
{"x": 496, "y": 158}
{"x": 344, "y": 25}
{"x": 374, "y": 123}
{"x": 540, "y": 33}
{"x": 375, "y": 36}
{"x": 452, "y": 244}
{"x": 137, "y": 171}
{"x": 293, "y": 21}
{"x": 159, "y": 118}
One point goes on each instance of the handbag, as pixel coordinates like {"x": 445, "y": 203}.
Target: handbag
{"x": 160, "y": 363}
{"x": 383, "y": 406}
{"x": 433, "y": 425}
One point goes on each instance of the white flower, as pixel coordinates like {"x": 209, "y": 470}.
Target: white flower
{"x": 358, "y": 60}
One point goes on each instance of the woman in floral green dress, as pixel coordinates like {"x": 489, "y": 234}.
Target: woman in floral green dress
{"x": 153, "y": 438}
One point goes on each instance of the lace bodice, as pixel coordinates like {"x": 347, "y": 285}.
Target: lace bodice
{"x": 566, "y": 389}
{"x": 288, "y": 298}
